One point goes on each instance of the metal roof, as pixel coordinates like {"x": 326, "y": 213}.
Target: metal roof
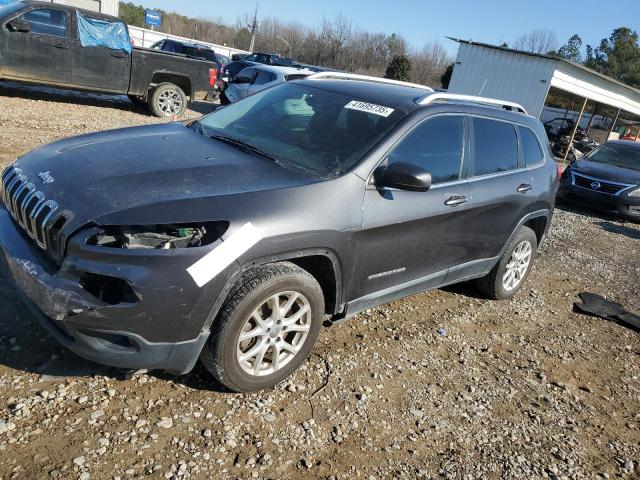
{"x": 548, "y": 57}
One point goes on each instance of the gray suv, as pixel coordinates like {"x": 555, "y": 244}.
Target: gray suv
{"x": 233, "y": 238}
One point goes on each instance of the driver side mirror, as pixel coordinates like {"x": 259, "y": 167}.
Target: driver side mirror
{"x": 17, "y": 25}
{"x": 403, "y": 176}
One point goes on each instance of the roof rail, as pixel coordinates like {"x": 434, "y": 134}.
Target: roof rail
{"x": 434, "y": 97}
{"x": 366, "y": 78}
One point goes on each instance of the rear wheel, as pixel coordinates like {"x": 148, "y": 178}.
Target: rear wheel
{"x": 168, "y": 100}
{"x": 508, "y": 276}
{"x": 266, "y": 328}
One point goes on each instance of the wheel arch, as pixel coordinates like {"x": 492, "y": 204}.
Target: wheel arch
{"x": 538, "y": 221}
{"x": 178, "y": 79}
{"x": 321, "y": 263}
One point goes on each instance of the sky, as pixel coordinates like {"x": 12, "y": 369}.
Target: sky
{"x": 422, "y": 21}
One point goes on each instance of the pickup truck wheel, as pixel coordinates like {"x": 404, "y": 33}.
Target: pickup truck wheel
{"x": 266, "y": 328}
{"x": 168, "y": 100}
{"x": 508, "y": 276}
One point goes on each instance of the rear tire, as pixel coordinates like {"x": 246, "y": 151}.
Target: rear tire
{"x": 168, "y": 100}
{"x": 510, "y": 273}
{"x": 276, "y": 342}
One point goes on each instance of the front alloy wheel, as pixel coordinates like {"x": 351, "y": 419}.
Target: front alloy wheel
{"x": 274, "y": 333}
{"x": 266, "y": 327}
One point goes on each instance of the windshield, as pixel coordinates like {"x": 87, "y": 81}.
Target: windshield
{"x": 9, "y": 6}
{"x": 317, "y": 132}
{"x": 625, "y": 156}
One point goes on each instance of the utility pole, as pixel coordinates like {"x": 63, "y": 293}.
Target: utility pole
{"x": 253, "y": 27}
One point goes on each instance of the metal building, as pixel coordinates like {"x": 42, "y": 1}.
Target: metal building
{"x": 567, "y": 97}
{"x": 110, "y": 7}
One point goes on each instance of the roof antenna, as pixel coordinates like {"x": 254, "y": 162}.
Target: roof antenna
{"x": 483, "y": 85}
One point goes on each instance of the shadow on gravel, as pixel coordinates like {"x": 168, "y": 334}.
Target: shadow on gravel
{"x": 632, "y": 233}
{"x": 198, "y": 379}
{"x": 122, "y": 102}
{"x": 33, "y": 92}
{"x": 584, "y": 211}
{"x": 203, "y": 108}
{"x": 468, "y": 289}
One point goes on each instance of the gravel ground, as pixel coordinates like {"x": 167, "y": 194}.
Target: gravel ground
{"x": 522, "y": 389}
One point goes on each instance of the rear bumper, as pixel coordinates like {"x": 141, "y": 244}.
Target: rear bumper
{"x": 622, "y": 205}
{"x": 83, "y": 323}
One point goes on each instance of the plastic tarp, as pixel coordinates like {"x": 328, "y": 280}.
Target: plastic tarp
{"x": 101, "y": 33}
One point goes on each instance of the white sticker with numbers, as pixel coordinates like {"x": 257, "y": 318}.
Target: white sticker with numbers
{"x": 369, "y": 108}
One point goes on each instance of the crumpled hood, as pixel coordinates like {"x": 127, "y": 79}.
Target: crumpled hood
{"x": 606, "y": 172}
{"x": 99, "y": 174}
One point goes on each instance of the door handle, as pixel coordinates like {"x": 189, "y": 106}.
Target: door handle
{"x": 61, "y": 46}
{"x": 524, "y": 187}
{"x": 118, "y": 55}
{"x": 455, "y": 200}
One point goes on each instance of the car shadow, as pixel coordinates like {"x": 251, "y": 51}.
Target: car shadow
{"x": 584, "y": 211}
{"x": 26, "y": 347}
{"x": 60, "y": 95}
{"x": 203, "y": 108}
{"x": 467, "y": 289}
{"x": 632, "y": 233}
{"x": 35, "y": 92}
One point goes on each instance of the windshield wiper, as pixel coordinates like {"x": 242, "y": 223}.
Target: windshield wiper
{"x": 244, "y": 146}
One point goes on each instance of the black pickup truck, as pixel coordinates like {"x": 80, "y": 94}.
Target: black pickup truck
{"x": 44, "y": 43}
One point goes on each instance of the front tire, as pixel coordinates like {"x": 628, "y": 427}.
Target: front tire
{"x": 168, "y": 100}
{"x": 510, "y": 273}
{"x": 266, "y": 328}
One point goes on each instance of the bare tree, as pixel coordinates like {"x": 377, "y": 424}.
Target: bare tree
{"x": 536, "y": 41}
{"x": 334, "y": 43}
{"x": 429, "y": 63}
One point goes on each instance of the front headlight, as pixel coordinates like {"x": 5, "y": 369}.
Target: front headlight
{"x": 635, "y": 193}
{"x": 159, "y": 236}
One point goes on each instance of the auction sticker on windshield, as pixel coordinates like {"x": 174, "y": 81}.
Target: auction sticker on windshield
{"x": 369, "y": 108}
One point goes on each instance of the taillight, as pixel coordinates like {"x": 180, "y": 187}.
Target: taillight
{"x": 560, "y": 169}
{"x": 213, "y": 76}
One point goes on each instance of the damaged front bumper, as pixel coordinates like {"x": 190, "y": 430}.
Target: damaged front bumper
{"x": 164, "y": 326}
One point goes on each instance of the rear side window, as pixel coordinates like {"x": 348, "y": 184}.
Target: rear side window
{"x": 264, "y": 77}
{"x": 247, "y": 73}
{"x": 47, "y": 22}
{"x": 495, "y": 146}
{"x": 435, "y": 145}
{"x": 531, "y": 149}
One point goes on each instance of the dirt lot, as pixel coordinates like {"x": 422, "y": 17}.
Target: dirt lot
{"x": 523, "y": 389}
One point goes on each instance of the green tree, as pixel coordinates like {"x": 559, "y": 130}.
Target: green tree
{"x": 399, "y": 68}
{"x": 617, "y": 56}
{"x": 571, "y": 50}
{"x": 446, "y": 76}
{"x": 132, "y": 14}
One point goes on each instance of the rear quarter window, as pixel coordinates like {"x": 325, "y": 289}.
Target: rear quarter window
{"x": 531, "y": 149}
{"x": 495, "y": 146}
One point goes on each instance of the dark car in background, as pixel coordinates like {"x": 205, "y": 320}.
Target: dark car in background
{"x": 230, "y": 70}
{"x": 194, "y": 50}
{"x": 269, "y": 59}
{"x": 41, "y": 43}
{"x": 608, "y": 178}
